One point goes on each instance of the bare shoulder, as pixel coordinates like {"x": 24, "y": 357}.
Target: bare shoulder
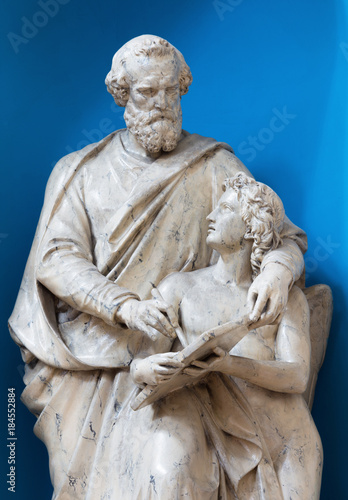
{"x": 175, "y": 286}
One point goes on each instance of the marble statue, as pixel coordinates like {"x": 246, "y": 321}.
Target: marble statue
{"x": 268, "y": 368}
{"x": 108, "y": 299}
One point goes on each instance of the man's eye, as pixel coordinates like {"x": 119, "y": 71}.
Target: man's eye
{"x": 146, "y": 92}
{"x": 172, "y": 90}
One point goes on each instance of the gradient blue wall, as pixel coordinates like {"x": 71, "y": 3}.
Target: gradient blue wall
{"x": 251, "y": 61}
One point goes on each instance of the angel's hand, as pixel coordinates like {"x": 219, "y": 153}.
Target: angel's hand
{"x": 155, "y": 369}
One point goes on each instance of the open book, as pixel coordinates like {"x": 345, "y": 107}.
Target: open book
{"x": 225, "y": 336}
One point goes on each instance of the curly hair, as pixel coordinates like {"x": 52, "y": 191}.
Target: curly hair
{"x": 263, "y": 214}
{"x": 118, "y": 80}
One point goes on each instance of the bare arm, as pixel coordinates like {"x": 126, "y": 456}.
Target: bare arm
{"x": 290, "y": 369}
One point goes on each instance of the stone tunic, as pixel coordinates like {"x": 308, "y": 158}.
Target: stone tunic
{"x": 111, "y": 228}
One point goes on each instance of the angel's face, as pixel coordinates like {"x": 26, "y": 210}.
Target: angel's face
{"x": 226, "y": 227}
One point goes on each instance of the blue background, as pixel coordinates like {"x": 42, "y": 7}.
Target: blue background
{"x": 249, "y": 60}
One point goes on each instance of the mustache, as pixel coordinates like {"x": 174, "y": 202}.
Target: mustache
{"x": 142, "y": 118}
{"x": 155, "y": 116}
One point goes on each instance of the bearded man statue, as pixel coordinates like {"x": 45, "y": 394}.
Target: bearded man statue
{"x": 119, "y": 216}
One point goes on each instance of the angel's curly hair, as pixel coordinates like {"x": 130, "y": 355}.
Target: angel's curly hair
{"x": 263, "y": 214}
{"x": 118, "y": 79}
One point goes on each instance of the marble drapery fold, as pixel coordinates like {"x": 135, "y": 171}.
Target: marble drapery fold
{"x": 149, "y": 222}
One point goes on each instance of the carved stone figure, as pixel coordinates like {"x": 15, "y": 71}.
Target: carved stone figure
{"x": 119, "y": 216}
{"x": 269, "y": 367}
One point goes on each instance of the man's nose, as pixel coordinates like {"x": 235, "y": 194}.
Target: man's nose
{"x": 160, "y": 100}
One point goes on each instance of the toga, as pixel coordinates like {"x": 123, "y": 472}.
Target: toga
{"x": 113, "y": 226}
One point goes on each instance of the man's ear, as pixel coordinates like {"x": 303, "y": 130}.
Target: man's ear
{"x": 121, "y": 96}
{"x": 118, "y": 89}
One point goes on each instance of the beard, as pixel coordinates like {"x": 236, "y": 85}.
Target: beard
{"x": 154, "y": 130}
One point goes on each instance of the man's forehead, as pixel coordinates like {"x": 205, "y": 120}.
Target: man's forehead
{"x": 148, "y": 71}
{"x": 153, "y": 80}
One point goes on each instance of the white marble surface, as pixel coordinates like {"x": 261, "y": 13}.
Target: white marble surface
{"x": 119, "y": 217}
{"x": 269, "y": 366}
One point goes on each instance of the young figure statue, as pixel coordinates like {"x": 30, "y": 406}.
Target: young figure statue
{"x": 268, "y": 368}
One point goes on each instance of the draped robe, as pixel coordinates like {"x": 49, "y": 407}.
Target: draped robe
{"x": 112, "y": 226}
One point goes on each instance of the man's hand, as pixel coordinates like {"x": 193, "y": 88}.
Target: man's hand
{"x": 155, "y": 369}
{"x": 150, "y": 316}
{"x": 268, "y": 294}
